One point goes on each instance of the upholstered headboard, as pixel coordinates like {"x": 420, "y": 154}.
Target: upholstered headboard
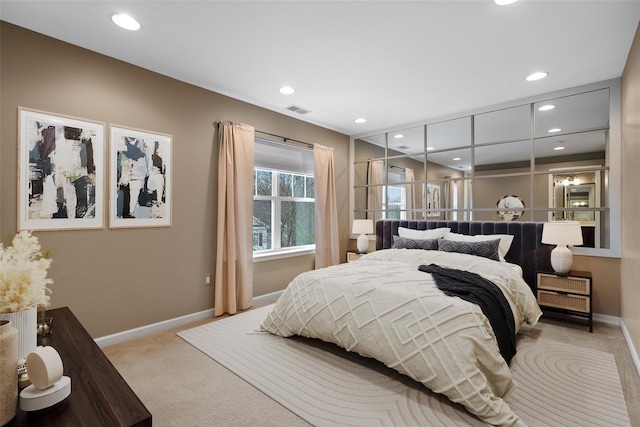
{"x": 526, "y": 250}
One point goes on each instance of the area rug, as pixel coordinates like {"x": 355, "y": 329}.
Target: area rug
{"x": 557, "y": 384}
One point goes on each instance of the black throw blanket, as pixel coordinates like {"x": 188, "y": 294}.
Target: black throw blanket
{"x": 487, "y": 295}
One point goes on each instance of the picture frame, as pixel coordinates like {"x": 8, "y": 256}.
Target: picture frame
{"x": 60, "y": 172}
{"x": 140, "y": 178}
{"x": 433, "y": 200}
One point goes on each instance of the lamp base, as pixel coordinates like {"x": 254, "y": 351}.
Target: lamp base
{"x": 32, "y": 399}
{"x": 561, "y": 259}
{"x": 363, "y": 243}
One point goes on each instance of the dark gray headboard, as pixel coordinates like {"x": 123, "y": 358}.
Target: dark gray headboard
{"x": 526, "y": 250}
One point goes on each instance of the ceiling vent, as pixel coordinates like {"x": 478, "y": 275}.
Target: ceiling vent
{"x": 403, "y": 147}
{"x": 297, "y": 109}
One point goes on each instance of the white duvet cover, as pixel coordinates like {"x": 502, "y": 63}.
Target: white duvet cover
{"x": 383, "y": 307}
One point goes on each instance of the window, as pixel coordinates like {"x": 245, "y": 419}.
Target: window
{"x": 395, "y": 198}
{"x": 283, "y": 199}
{"x": 396, "y": 203}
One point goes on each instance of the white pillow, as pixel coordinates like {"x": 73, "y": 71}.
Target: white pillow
{"x": 503, "y": 248}
{"x": 435, "y": 233}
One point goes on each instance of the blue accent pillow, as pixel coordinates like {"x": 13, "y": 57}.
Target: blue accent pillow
{"x": 486, "y": 248}
{"x": 406, "y": 243}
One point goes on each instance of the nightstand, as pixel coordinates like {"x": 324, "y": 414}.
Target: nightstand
{"x": 569, "y": 294}
{"x": 353, "y": 256}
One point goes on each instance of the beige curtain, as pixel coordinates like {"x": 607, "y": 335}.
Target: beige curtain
{"x": 375, "y": 175}
{"x": 234, "y": 260}
{"x": 326, "y": 223}
{"x": 409, "y": 193}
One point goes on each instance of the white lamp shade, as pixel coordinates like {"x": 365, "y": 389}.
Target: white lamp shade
{"x": 362, "y": 226}
{"x": 562, "y": 233}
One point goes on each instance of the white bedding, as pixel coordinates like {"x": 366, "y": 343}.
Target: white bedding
{"x": 383, "y": 307}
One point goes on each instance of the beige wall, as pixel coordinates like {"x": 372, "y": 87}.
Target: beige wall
{"x": 630, "y": 265}
{"x": 114, "y": 280}
{"x": 97, "y": 272}
{"x": 606, "y": 282}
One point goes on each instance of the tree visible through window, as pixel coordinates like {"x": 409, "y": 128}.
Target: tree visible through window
{"x": 283, "y": 209}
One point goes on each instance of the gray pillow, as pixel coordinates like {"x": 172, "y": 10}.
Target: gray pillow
{"x": 486, "y": 248}
{"x": 406, "y": 243}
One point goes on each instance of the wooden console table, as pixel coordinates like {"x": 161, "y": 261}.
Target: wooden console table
{"x": 99, "y": 394}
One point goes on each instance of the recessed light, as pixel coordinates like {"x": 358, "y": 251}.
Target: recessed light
{"x": 554, "y": 130}
{"x": 125, "y": 21}
{"x": 536, "y": 76}
{"x": 504, "y": 2}
{"x": 558, "y": 148}
{"x": 398, "y": 136}
{"x": 547, "y": 107}
{"x": 286, "y": 90}
{"x": 430, "y": 148}
{"x": 361, "y": 120}
{"x": 457, "y": 158}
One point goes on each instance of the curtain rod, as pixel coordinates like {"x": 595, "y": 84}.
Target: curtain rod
{"x": 285, "y": 139}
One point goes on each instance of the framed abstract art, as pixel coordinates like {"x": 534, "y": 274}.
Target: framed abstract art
{"x": 139, "y": 178}
{"x": 60, "y": 172}
{"x": 433, "y": 200}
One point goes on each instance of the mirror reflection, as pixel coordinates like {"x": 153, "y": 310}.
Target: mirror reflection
{"x": 509, "y": 124}
{"x": 449, "y": 134}
{"x": 550, "y": 156}
{"x": 513, "y": 156}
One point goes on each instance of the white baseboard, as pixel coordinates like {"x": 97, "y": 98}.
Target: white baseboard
{"x": 625, "y": 333}
{"x": 182, "y": 320}
{"x": 171, "y": 323}
{"x": 273, "y": 296}
{"x": 154, "y": 327}
{"x": 632, "y": 348}
{"x": 605, "y": 318}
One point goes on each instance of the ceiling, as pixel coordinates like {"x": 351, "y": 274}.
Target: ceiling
{"x": 391, "y": 62}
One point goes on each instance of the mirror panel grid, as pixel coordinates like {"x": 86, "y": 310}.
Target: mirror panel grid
{"x": 509, "y": 124}
{"x": 449, "y": 134}
{"x": 538, "y": 161}
{"x": 406, "y": 141}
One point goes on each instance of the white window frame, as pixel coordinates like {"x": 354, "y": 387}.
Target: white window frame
{"x": 403, "y": 201}
{"x": 276, "y": 200}
{"x": 396, "y": 176}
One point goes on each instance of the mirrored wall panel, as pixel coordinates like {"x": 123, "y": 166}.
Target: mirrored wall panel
{"x": 541, "y": 161}
{"x": 510, "y": 124}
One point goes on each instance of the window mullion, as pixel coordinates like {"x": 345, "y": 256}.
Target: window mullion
{"x": 276, "y": 221}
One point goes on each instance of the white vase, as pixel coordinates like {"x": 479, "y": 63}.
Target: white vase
{"x": 8, "y": 371}
{"x": 26, "y": 322}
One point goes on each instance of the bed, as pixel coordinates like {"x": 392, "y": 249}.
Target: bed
{"x": 390, "y": 305}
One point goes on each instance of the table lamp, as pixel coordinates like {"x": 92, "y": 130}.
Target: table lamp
{"x": 562, "y": 233}
{"x": 362, "y": 227}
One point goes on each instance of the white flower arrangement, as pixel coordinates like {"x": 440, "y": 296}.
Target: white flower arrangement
{"x": 23, "y": 274}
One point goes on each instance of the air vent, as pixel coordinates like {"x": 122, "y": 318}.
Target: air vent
{"x": 297, "y": 109}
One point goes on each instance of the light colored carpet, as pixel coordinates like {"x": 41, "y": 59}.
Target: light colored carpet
{"x": 558, "y": 383}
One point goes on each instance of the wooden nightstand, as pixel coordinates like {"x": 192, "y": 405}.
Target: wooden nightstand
{"x": 353, "y": 256}
{"x": 569, "y": 294}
